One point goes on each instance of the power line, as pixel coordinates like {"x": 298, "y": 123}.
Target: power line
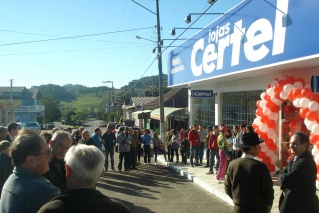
{"x": 72, "y": 37}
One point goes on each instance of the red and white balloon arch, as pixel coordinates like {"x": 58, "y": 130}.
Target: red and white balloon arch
{"x": 301, "y": 112}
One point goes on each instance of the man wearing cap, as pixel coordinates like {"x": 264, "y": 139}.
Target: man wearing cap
{"x": 298, "y": 180}
{"x": 248, "y": 180}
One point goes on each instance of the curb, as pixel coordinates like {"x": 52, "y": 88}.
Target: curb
{"x": 192, "y": 177}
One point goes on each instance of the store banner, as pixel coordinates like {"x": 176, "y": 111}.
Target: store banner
{"x": 254, "y": 34}
{"x": 202, "y": 93}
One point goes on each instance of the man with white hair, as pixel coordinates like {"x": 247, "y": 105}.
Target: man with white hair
{"x": 84, "y": 166}
{"x": 60, "y": 144}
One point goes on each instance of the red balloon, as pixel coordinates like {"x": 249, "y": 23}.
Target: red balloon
{"x": 267, "y": 97}
{"x": 315, "y": 97}
{"x": 290, "y": 96}
{"x": 290, "y": 80}
{"x": 306, "y": 93}
{"x": 296, "y": 93}
{"x": 261, "y": 154}
{"x": 314, "y": 138}
{"x": 266, "y": 159}
{"x": 255, "y": 126}
{"x": 273, "y": 147}
{"x": 303, "y": 112}
{"x": 259, "y": 112}
{"x": 281, "y": 84}
{"x": 292, "y": 108}
{"x": 271, "y": 124}
{"x": 277, "y": 90}
{"x": 317, "y": 145}
{"x": 275, "y": 108}
{"x": 264, "y": 119}
{"x": 269, "y": 142}
{"x": 311, "y": 115}
{"x": 270, "y": 104}
{"x": 271, "y": 167}
{"x": 286, "y": 109}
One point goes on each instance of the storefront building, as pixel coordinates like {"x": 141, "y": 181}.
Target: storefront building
{"x": 241, "y": 54}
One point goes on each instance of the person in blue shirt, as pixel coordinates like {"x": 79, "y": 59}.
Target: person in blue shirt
{"x": 97, "y": 137}
{"x": 109, "y": 144}
{"x": 146, "y": 141}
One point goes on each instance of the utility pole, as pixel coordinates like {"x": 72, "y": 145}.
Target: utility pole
{"x": 160, "y": 75}
{"x": 12, "y": 110}
{"x": 110, "y": 98}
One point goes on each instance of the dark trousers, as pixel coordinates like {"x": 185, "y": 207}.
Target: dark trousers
{"x": 147, "y": 154}
{"x": 109, "y": 151}
{"x": 157, "y": 150}
{"x": 207, "y": 157}
{"x": 184, "y": 156}
{"x": 172, "y": 154}
{"x": 132, "y": 162}
{"x": 139, "y": 152}
{"x": 168, "y": 152}
{"x": 125, "y": 156}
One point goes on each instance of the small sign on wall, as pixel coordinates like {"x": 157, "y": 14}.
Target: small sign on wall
{"x": 202, "y": 93}
{"x": 315, "y": 84}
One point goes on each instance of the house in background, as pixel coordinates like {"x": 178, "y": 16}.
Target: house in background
{"x": 20, "y": 102}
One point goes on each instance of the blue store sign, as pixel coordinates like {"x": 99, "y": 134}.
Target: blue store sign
{"x": 202, "y": 93}
{"x": 254, "y": 34}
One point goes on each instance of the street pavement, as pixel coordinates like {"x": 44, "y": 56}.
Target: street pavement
{"x": 198, "y": 176}
{"x": 157, "y": 188}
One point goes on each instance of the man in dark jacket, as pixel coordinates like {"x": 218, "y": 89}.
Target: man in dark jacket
{"x": 110, "y": 141}
{"x": 60, "y": 143}
{"x": 248, "y": 181}
{"x": 84, "y": 166}
{"x": 298, "y": 180}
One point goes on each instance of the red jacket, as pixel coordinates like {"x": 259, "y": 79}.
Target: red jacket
{"x": 192, "y": 137}
{"x": 212, "y": 143}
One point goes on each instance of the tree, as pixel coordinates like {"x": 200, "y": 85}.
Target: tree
{"x": 52, "y": 112}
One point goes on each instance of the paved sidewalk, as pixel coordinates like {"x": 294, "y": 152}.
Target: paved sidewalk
{"x": 208, "y": 182}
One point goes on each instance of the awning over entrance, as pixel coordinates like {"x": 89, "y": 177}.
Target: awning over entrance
{"x": 138, "y": 114}
{"x": 155, "y": 114}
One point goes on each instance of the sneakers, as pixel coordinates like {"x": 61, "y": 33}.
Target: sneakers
{"x": 113, "y": 170}
{"x": 219, "y": 181}
{"x": 144, "y": 163}
{"x": 155, "y": 164}
{"x": 210, "y": 172}
{"x": 191, "y": 165}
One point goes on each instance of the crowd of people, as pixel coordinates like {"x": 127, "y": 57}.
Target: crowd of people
{"x": 58, "y": 172}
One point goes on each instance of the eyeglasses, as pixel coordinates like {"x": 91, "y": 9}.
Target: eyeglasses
{"x": 48, "y": 153}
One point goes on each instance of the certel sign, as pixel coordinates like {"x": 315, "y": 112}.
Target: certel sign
{"x": 253, "y": 34}
{"x": 202, "y": 93}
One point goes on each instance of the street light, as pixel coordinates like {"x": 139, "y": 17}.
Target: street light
{"x": 211, "y": 1}
{"x": 188, "y": 18}
{"x": 173, "y": 30}
{"x": 110, "y": 98}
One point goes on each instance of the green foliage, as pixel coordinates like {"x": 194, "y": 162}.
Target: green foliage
{"x": 52, "y": 112}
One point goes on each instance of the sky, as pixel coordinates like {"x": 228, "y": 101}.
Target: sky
{"x": 87, "y": 42}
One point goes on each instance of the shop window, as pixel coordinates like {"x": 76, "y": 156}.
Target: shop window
{"x": 239, "y": 107}
{"x": 204, "y": 111}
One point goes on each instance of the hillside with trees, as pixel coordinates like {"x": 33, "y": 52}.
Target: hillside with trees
{"x": 77, "y": 102}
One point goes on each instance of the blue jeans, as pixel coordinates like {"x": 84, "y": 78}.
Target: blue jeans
{"x": 214, "y": 153}
{"x": 109, "y": 151}
{"x": 194, "y": 152}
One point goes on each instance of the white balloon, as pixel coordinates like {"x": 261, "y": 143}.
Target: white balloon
{"x": 263, "y": 147}
{"x": 284, "y": 95}
{"x": 263, "y": 127}
{"x": 306, "y": 121}
{"x": 272, "y": 173}
{"x": 311, "y": 124}
{"x": 270, "y": 153}
{"x": 266, "y": 111}
{"x": 315, "y": 151}
{"x": 296, "y": 102}
{"x": 304, "y": 102}
{"x": 317, "y": 185}
{"x": 262, "y": 104}
{"x": 298, "y": 84}
{"x": 274, "y": 83}
{"x": 274, "y": 159}
{"x": 287, "y": 88}
{"x": 315, "y": 129}
{"x": 313, "y": 106}
{"x": 270, "y": 92}
{"x": 257, "y": 121}
{"x": 271, "y": 132}
{"x": 273, "y": 136}
{"x": 272, "y": 116}
{"x": 317, "y": 159}
{"x": 276, "y": 116}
